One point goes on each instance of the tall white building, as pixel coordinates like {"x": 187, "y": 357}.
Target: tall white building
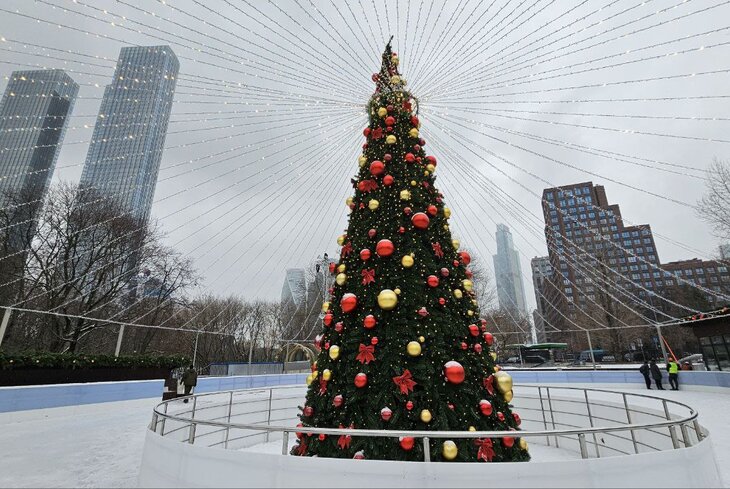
{"x": 541, "y": 273}
{"x": 294, "y": 291}
{"x": 508, "y": 274}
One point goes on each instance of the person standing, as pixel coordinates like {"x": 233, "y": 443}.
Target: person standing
{"x": 673, "y": 369}
{"x": 656, "y": 374}
{"x": 190, "y": 380}
{"x": 644, "y": 369}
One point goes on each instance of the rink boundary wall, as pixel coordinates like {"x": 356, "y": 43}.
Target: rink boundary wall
{"x": 25, "y": 398}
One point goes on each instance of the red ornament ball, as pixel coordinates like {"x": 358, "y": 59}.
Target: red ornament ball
{"x": 432, "y": 210}
{"x": 339, "y": 327}
{"x": 365, "y": 254}
{"x": 422, "y": 142}
{"x": 420, "y": 220}
{"x": 456, "y": 263}
{"x": 372, "y": 233}
{"x": 390, "y": 120}
{"x": 451, "y": 406}
{"x": 386, "y": 414}
{"x": 485, "y": 407}
{"x": 454, "y": 372}
{"x": 361, "y": 380}
{"x": 369, "y": 322}
{"x": 423, "y": 312}
{"x": 365, "y": 146}
{"x": 407, "y": 211}
{"x": 318, "y": 342}
{"x": 409, "y": 405}
{"x": 384, "y": 248}
{"x": 478, "y": 347}
{"x": 465, "y": 257}
{"x": 414, "y": 120}
{"x": 327, "y": 319}
{"x": 444, "y": 272}
{"x": 326, "y": 345}
{"x": 410, "y": 158}
{"x": 416, "y": 148}
{"x": 517, "y": 418}
{"x": 359, "y": 456}
{"x": 332, "y": 267}
{"x": 464, "y": 346}
{"x": 308, "y": 411}
{"x": 374, "y": 340}
{"x": 432, "y": 281}
{"x": 299, "y": 434}
{"x": 488, "y": 339}
{"x": 500, "y": 416}
{"x": 348, "y": 302}
{"x": 390, "y": 108}
{"x": 431, "y": 160}
{"x": 508, "y": 441}
{"x": 401, "y": 230}
{"x": 407, "y": 443}
{"x": 377, "y": 168}
{"x": 387, "y": 157}
{"x": 375, "y": 77}
{"x": 338, "y": 400}
{"x": 442, "y": 301}
{"x": 366, "y": 132}
{"x": 388, "y": 180}
{"x": 474, "y": 330}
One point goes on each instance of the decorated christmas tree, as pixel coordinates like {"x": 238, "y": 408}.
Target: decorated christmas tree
{"x": 403, "y": 346}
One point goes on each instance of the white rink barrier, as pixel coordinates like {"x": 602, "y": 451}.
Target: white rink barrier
{"x": 236, "y": 439}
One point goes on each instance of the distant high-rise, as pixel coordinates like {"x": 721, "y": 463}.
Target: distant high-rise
{"x": 541, "y": 275}
{"x": 294, "y": 290}
{"x": 129, "y": 136}
{"x": 34, "y": 116}
{"x": 508, "y": 274}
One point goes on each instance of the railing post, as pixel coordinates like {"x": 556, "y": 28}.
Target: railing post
{"x": 228, "y": 427}
{"x": 582, "y": 443}
{"x": 628, "y": 419}
{"x": 153, "y": 425}
{"x": 268, "y": 414}
{"x": 552, "y": 415}
{"x": 426, "y": 449}
{"x": 285, "y": 443}
{"x": 590, "y": 419}
{"x": 685, "y": 435}
{"x": 191, "y": 433}
{"x": 698, "y": 430}
{"x": 542, "y": 409}
{"x": 162, "y": 430}
{"x": 590, "y": 348}
{"x": 672, "y": 429}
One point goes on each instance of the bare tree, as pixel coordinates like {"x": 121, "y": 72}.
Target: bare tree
{"x": 714, "y": 206}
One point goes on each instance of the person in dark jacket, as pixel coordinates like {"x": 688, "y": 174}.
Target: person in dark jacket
{"x": 190, "y": 380}
{"x": 656, "y": 374}
{"x": 644, "y": 369}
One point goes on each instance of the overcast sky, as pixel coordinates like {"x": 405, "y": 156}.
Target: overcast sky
{"x": 248, "y": 201}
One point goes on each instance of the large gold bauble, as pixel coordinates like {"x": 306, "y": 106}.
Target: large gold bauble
{"x": 504, "y": 382}
{"x": 341, "y": 239}
{"x": 395, "y": 80}
{"x": 407, "y": 261}
{"x": 458, "y": 294}
{"x": 523, "y": 444}
{"x": 382, "y": 112}
{"x": 315, "y": 374}
{"x": 467, "y": 284}
{"x": 413, "y": 132}
{"x": 310, "y": 379}
{"x": 341, "y": 278}
{"x": 413, "y": 348}
{"x": 362, "y": 161}
{"x": 449, "y": 450}
{"x": 348, "y": 201}
{"x": 326, "y": 374}
{"x": 455, "y": 243}
{"x": 334, "y": 352}
{"x": 373, "y": 204}
{"x": 405, "y": 195}
{"x": 391, "y": 139}
{"x": 387, "y": 299}
{"x": 341, "y": 268}
{"x": 447, "y": 212}
{"x": 426, "y": 416}
{"x": 508, "y": 396}
{"x": 325, "y": 306}
{"x": 431, "y": 168}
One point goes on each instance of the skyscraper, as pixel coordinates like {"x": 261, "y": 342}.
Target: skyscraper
{"x": 541, "y": 274}
{"x": 294, "y": 290}
{"x": 508, "y": 274}
{"x": 34, "y": 116}
{"x": 129, "y": 136}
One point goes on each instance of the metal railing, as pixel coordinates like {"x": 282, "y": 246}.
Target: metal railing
{"x": 586, "y": 421}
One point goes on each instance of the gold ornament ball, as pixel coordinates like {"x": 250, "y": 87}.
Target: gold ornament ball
{"x": 426, "y": 416}
{"x": 405, "y": 195}
{"x": 326, "y": 374}
{"x": 504, "y": 382}
{"x": 341, "y": 279}
{"x": 348, "y": 201}
{"x": 426, "y": 173}
{"x": 334, "y": 352}
{"x": 413, "y": 132}
{"x": 471, "y": 428}
{"x": 325, "y": 306}
{"x": 447, "y": 212}
{"x": 449, "y": 450}
{"x": 497, "y": 368}
{"x": 431, "y": 168}
{"x": 397, "y": 291}
{"x": 382, "y": 111}
{"x": 467, "y": 284}
{"x": 421, "y": 339}
{"x": 391, "y": 139}
{"x": 523, "y": 444}
{"x": 341, "y": 268}
{"x": 508, "y": 396}
{"x": 455, "y": 243}
{"x": 470, "y": 312}
{"x": 341, "y": 239}
{"x": 362, "y": 160}
{"x": 315, "y": 374}
{"x": 373, "y": 204}
{"x": 387, "y": 299}
{"x": 310, "y": 379}
{"x": 395, "y": 60}
{"x": 493, "y": 355}
{"x": 413, "y": 348}
{"x": 458, "y": 294}
{"x": 446, "y": 227}
{"x": 407, "y": 261}
{"x": 395, "y": 80}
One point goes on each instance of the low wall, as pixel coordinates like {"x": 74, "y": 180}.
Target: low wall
{"x": 48, "y": 396}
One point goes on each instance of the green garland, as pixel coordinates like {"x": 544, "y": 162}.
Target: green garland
{"x": 68, "y": 361}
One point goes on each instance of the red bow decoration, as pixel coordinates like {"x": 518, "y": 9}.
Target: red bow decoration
{"x": 437, "y": 250}
{"x": 489, "y": 384}
{"x": 344, "y": 440}
{"x": 486, "y": 450}
{"x": 347, "y": 249}
{"x": 366, "y": 353}
{"x": 405, "y": 382}
{"x": 407, "y": 106}
{"x": 368, "y": 276}
{"x": 322, "y": 386}
{"x": 368, "y": 185}
{"x": 377, "y": 133}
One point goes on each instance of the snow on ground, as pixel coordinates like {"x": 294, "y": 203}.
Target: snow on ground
{"x": 100, "y": 445}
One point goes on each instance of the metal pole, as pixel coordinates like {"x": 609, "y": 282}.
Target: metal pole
{"x": 672, "y": 429}
{"x": 552, "y": 415}
{"x": 228, "y": 427}
{"x": 661, "y": 341}
{"x": 250, "y": 355}
{"x": 285, "y": 444}
{"x": 685, "y": 436}
{"x": 542, "y": 409}
{"x": 426, "y": 449}
{"x": 590, "y": 348}
{"x": 590, "y": 419}
{"x": 698, "y": 430}
{"x": 628, "y": 418}
{"x": 195, "y": 349}
{"x": 162, "y": 430}
{"x": 119, "y": 341}
{"x": 4, "y": 324}
{"x": 268, "y": 414}
{"x": 583, "y": 447}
